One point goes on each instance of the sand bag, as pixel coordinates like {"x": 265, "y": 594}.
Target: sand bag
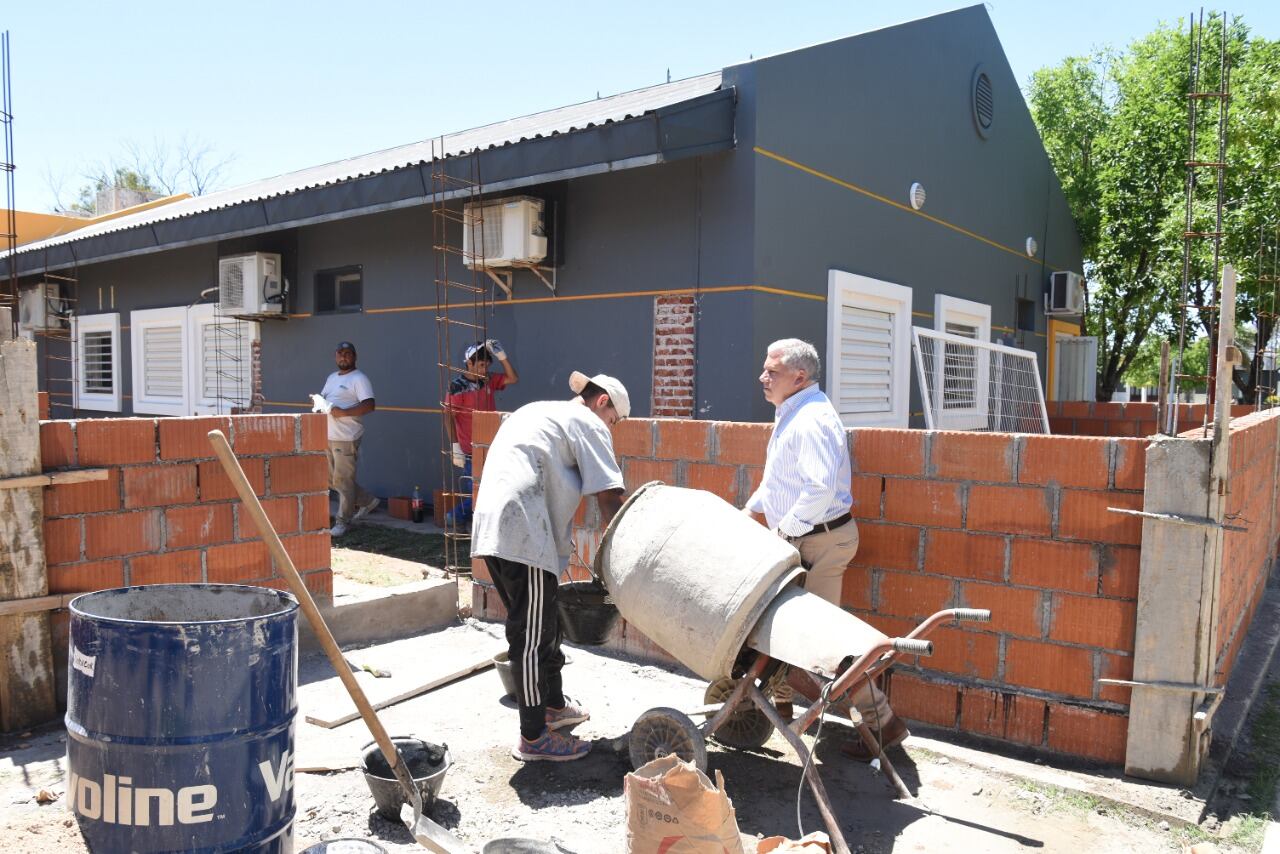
{"x": 673, "y": 808}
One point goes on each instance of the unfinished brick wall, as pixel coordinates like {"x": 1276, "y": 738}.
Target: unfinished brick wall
{"x": 1247, "y": 555}
{"x": 1017, "y": 524}
{"x": 168, "y": 514}
{"x": 1084, "y": 418}
{"x": 673, "y": 356}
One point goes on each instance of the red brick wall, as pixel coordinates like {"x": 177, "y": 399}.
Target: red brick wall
{"x": 1084, "y": 418}
{"x": 1017, "y": 524}
{"x": 167, "y": 513}
{"x": 1247, "y": 555}
{"x": 673, "y": 356}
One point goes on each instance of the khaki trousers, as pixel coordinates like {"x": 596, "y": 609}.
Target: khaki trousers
{"x": 342, "y": 478}
{"x": 826, "y": 555}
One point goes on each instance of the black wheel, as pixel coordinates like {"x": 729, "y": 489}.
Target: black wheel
{"x": 747, "y": 728}
{"x": 660, "y": 732}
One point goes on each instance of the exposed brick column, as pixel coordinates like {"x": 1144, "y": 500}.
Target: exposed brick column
{"x": 673, "y": 352}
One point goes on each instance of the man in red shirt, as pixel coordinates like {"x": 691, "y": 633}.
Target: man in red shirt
{"x": 473, "y": 392}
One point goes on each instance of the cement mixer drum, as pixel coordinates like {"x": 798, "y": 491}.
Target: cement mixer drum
{"x": 693, "y": 573}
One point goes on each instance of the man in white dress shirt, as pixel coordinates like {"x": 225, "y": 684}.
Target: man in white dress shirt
{"x": 805, "y": 497}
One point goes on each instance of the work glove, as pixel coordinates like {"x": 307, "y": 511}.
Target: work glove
{"x": 494, "y": 346}
{"x": 459, "y": 458}
{"x": 319, "y": 404}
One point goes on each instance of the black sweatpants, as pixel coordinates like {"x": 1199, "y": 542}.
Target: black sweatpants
{"x": 533, "y": 639}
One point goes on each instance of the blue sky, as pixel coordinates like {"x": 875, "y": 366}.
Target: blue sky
{"x": 284, "y": 85}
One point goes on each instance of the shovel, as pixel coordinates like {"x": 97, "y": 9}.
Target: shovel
{"x": 425, "y": 831}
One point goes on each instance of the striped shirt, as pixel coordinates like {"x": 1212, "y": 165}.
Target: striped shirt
{"x": 807, "y": 472}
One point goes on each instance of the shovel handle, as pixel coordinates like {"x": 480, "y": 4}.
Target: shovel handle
{"x": 308, "y": 605}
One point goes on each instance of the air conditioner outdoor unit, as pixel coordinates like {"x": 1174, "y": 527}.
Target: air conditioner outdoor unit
{"x": 1065, "y": 294}
{"x": 42, "y": 307}
{"x": 250, "y": 284}
{"x": 512, "y": 229}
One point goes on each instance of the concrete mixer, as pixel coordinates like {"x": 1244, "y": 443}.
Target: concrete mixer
{"x": 725, "y": 597}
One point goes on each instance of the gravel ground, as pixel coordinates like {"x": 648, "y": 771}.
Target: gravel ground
{"x": 487, "y": 794}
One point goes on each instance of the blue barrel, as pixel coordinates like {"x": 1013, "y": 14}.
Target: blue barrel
{"x": 181, "y": 701}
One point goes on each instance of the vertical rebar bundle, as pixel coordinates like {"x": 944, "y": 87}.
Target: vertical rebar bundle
{"x": 1191, "y": 233}
{"x": 9, "y": 293}
{"x": 461, "y": 303}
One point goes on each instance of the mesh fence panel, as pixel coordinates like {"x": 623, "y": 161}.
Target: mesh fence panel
{"x": 978, "y": 386}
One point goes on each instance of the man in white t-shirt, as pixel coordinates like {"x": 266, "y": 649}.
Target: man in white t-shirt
{"x": 545, "y": 457}
{"x": 348, "y": 397}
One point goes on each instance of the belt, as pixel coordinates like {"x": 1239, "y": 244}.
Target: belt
{"x": 828, "y": 526}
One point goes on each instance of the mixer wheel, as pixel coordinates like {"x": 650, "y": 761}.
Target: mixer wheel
{"x": 747, "y": 728}
{"x": 659, "y": 732}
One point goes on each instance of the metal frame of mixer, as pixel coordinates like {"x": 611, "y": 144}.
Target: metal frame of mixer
{"x": 871, "y": 663}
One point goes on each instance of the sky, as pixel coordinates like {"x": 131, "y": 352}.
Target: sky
{"x": 278, "y": 85}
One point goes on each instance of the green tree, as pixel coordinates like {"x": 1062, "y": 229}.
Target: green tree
{"x": 120, "y": 176}
{"x": 1115, "y": 125}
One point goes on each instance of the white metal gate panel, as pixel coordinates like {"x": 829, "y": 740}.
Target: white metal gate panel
{"x": 978, "y": 386}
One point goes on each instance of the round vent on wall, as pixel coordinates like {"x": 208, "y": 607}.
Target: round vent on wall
{"x": 982, "y": 101}
{"x": 917, "y": 196}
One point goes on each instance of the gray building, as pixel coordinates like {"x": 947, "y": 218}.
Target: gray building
{"x": 780, "y": 196}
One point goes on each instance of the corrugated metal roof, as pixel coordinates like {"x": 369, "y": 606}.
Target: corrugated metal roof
{"x": 548, "y": 123}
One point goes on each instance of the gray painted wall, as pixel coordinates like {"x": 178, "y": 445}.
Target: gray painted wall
{"x": 881, "y": 111}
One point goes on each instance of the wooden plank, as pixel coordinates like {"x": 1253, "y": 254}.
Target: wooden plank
{"x": 36, "y": 604}
{"x": 27, "y": 695}
{"x": 475, "y": 667}
{"x": 76, "y": 476}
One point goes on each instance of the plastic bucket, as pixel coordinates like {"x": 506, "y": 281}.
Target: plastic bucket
{"x": 427, "y": 764}
{"x": 587, "y": 614}
{"x": 692, "y": 573}
{"x": 502, "y": 664}
{"x": 180, "y": 716}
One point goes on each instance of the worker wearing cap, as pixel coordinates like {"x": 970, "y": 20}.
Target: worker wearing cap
{"x": 347, "y": 397}
{"x": 545, "y": 457}
{"x": 805, "y": 497}
{"x": 473, "y": 391}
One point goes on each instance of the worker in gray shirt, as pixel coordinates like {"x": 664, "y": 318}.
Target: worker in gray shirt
{"x": 545, "y": 457}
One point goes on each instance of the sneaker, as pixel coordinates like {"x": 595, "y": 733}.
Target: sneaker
{"x": 366, "y": 509}
{"x": 338, "y": 529}
{"x": 551, "y": 746}
{"x": 571, "y": 715}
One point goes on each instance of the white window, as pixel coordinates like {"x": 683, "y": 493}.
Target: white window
{"x": 964, "y": 373}
{"x": 96, "y": 338}
{"x": 190, "y": 361}
{"x": 221, "y": 353}
{"x": 868, "y": 350}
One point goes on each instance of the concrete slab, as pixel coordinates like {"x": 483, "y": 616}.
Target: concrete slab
{"x": 361, "y": 614}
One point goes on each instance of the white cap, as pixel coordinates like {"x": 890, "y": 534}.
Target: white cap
{"x": 614, "y": 388}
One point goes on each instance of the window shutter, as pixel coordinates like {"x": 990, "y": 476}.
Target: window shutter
{"x": 162, "y": 361}
{"x": 95, "y": 342}
{"x": 225, "y": 354}
{"x": 866, "y": 361}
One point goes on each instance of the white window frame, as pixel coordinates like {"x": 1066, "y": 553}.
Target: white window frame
{"x": 199, "y": 316}
{"x": 139, "y": 322}
{"x": 94, "y": 401}
{"x": 853, "y": 290}
{"x": 948, "y": 309}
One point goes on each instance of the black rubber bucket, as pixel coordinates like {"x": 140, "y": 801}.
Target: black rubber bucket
{"x": 587, "y": 614}
{"x": 427, "y": 764}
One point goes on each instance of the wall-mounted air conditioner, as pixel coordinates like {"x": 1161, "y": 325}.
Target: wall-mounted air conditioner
{"x": 42, "y": 307}
{"x": 1064, "y": 294}
{"x": 250, "y": 284}
{"x": 512, "y": 229}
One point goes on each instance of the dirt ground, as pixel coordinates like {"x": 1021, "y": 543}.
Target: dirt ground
{"x": 959, "y": 806}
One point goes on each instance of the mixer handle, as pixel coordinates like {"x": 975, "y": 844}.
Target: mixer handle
{"x": 975, "y": 615}
{"x": 912, "y": 646}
